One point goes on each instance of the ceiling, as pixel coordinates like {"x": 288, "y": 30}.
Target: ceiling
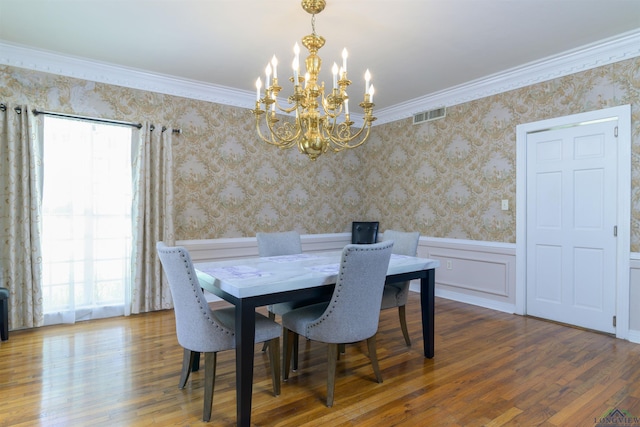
{"x": 412, "y": 47}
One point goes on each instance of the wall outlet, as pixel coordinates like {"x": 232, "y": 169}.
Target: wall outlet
{"x": 449, "y": 265}
{"x": 505, "y": 205}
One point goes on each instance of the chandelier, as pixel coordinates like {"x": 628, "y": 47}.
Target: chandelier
{"x": 321, "y": 121}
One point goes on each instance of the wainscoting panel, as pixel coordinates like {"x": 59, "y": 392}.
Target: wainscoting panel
{"x": 246, "y": 247}
{"x": 489, "y": 275}
{"x": 479, "y": 273}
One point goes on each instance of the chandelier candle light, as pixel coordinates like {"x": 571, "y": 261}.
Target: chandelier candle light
{"x": 316, "y": 126}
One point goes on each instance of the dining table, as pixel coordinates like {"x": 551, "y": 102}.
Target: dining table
{"x": 249, "y": 283}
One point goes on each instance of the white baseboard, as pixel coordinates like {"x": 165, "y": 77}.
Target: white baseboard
{"x": 468, "y": 299}
{"x": 474, "y": 300}
{"x": 634, "y": 336}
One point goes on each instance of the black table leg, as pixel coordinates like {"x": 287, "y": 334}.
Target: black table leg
{"x": 245, "y": 337}
{"x": 427, "y": 303}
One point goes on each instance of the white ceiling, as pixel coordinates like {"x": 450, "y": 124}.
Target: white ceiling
{"x": 413, "y": 48}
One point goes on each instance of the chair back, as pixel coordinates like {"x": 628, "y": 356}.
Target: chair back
{"x": 276, "y": 244}
{"x": 404, "y": 243}
{"x": 354, "y": 310}
{"x": 197, "y": 327}
{"x": 364, "y": 232}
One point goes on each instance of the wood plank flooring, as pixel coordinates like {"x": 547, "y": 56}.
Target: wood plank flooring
{"x": 490, "y": 369}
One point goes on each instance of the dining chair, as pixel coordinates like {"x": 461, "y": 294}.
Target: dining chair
{"x": 351, "y": 315}
{"x": 396, "y": 294}
{"x": 277, "y": 244}
{"x": 202, "y": 330}
{"x": 364, "y": 232}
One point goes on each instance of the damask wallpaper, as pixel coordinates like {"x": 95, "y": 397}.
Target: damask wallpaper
{"x": 447, "y": 177}
{"x": 444, "y": 178}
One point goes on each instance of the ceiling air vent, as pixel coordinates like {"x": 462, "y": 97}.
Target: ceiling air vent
{"x": 427, "y": 116}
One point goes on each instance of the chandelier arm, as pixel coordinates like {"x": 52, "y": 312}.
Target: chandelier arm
{"x": 338, "y": 145}
{"x": 259, "y": 112}
{"x": 275, "y": 137}
{"x": 341, "y": 132}
{"x": 289, "y": 110}
{"x": 331, "y": 112}
{"x": 283, "y": 136}
{"x": 286, "y": 110}
{"x": 299, "y": 128}
{"x": 262, "y": 137}
{"x": 330, "y": 127}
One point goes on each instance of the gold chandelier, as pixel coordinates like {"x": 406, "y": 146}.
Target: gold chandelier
{"x": 317, "y": 126}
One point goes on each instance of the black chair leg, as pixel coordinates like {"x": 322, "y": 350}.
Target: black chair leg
{"x": 195, "y": 362}
{"x": 296, "y": 344}
{"x": 4, "y": 319}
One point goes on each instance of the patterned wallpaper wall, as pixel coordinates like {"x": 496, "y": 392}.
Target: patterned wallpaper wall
{"x": 447, "y": 178}
{"x": 228, "y": 183}
{"x": 444, "y": 178}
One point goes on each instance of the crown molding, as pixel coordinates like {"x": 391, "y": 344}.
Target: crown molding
{"x": 69, "y": 66}
{"x": 605, "y": 52}
{"x": 608, "y": 51}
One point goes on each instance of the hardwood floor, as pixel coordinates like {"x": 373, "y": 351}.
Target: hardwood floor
{"x": 490, "y": 369}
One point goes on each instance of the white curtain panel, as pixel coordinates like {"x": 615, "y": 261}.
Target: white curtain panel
{"x": 86, "y": 215}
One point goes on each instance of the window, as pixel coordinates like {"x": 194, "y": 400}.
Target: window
{"x": 86, "y": 235}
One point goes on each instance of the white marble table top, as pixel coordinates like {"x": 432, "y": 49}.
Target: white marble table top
{"x": 243, "y": 278}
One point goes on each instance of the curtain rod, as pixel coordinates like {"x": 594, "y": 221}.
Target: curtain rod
{"x": 95, "y": 119}
{"x": 91, "y": 119}
{"x": 3, "y": 107}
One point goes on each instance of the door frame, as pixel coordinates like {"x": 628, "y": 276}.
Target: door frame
{"x": 623, "y": 242}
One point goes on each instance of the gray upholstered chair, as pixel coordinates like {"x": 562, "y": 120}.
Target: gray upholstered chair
{"x": 4, "y": 314}
{"x": 396, "y": 294}
{"x": 353, "y": 313}
{"x": 202, "y": 330}
{"x": 277, "y": 244}
{"x": 364, "y": 232}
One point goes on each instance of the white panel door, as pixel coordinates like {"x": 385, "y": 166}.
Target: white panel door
{"x": 571, "y": 215}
